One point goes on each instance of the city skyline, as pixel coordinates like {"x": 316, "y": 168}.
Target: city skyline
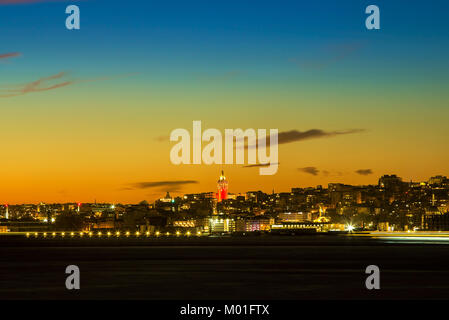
{"x": 218, "y": 187}
{"x": 86, "y": 114}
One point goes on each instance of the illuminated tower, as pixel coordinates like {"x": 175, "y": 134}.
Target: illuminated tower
{"x": 7, "y": 211}
{"x": 222, "y": 188}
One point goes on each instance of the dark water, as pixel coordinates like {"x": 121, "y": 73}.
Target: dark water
{"x": 301, "y": 271}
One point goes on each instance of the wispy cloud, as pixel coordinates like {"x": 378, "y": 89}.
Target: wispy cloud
{"x": 219, "y": 77}
{"x": 327, "y": 56}
{"x": 162, "y": 138}
{"x": 41, "y": 84}
{"x": 55, "y": 81}
{"x": 364, "y": 172}
{"x": 4, "y": 56}
{"x": 310, "y": 170}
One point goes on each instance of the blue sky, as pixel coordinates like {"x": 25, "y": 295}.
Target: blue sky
{"x": 203, "y": 36}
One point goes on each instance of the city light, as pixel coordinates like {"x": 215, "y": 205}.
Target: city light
{"x": 293, "y": 219}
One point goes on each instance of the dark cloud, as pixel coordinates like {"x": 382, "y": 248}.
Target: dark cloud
{"x": 9, "y": 55}
{"x": 159, "y": 184}
{"x": 364, "y": 172}
{"x": 291, "y": 136}
{"x": 259, "y": 165}
{"x": 295, "y": 135}
{"x": 310, "y": 170}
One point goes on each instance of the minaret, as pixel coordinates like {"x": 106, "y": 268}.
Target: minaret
{"x": 222, "y": 186}
{"x": 7, "y": 211}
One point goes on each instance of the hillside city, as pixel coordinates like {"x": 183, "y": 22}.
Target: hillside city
{"x": 391, "y": 205}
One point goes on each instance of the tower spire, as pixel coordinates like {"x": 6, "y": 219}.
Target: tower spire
{"x": 222, "y": 186}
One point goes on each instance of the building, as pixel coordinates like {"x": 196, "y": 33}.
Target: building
{"x": 438, "y": 180}
{"x": 254, "y": 224}
{"x": 436, "y": 222}
{"x": 305, "y": 227}
{"x": 342, "y": 195}
{"x": 295, "y": 228}
{"x": 392, "y": 187}
{"x": 166, "y": 204}
{"x": 222, "y": 186}
{"x": 294, "y": 216}
{"x": 191, "y": 225}
{"x": 221, "y": 225}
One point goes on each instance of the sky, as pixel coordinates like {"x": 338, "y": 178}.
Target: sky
{"x": 85, "y": 114}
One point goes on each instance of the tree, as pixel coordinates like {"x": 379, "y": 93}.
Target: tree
{"x": 69, "y": 221}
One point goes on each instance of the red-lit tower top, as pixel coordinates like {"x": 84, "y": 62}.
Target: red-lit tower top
{"x": 222, "y": 188}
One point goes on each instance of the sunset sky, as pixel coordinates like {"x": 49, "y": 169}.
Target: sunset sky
{"x": 85, "y": 113}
